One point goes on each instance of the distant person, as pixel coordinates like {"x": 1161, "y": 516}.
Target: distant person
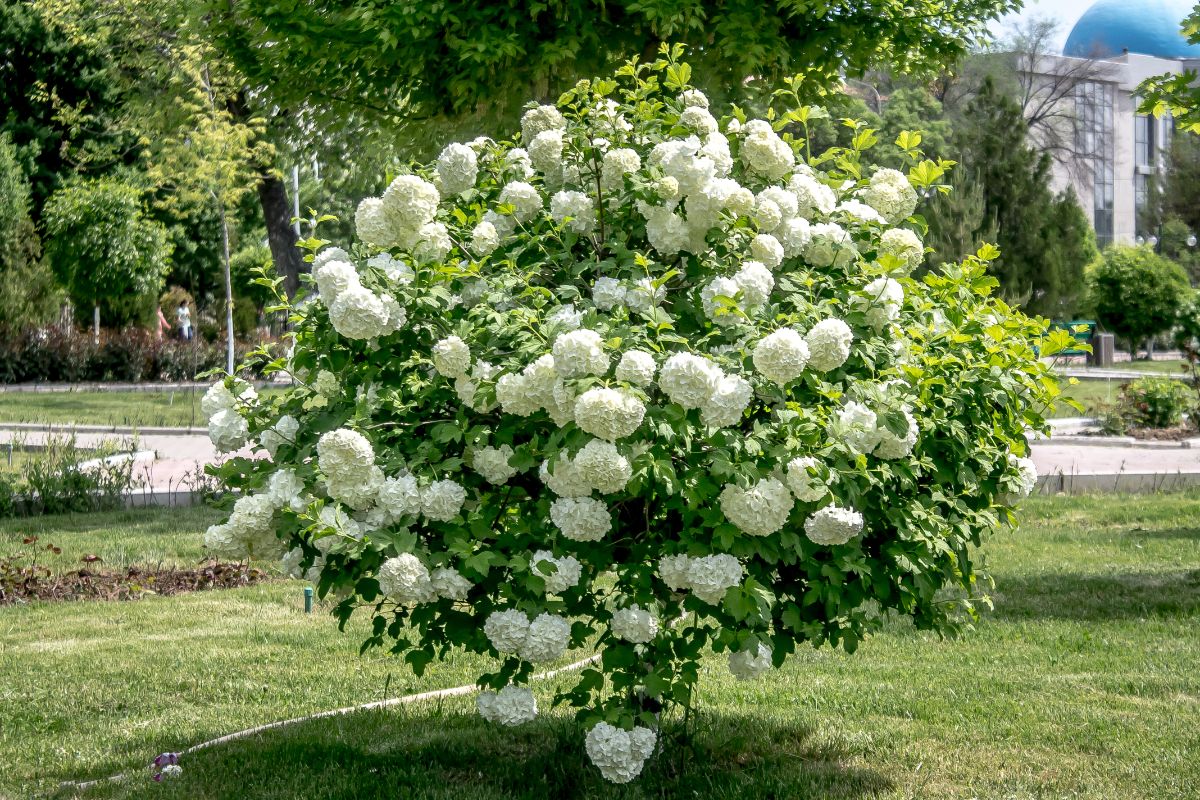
{"x": 163, "y": 326}
{"x": 183, "y": 318}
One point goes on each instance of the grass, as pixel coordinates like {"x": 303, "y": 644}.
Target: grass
{"x": 1174, "y": 365}
{"x": 1082, "y": 684}
{"x": 1089, "y": 393}
{"x": 124, "y": 409}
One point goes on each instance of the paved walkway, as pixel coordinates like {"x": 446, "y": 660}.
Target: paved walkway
{"x": 1097, "y": 374}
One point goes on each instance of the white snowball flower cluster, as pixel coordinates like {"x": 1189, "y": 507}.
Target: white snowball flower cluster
{"x": 576, "y": 207}
{"x": 249, "y": 531}
{"x": 760, "y": 510}
{"x": 578, "y": 353}
{"x": 829, "y": 244}
{"x": 457, "y": 169}
{"x": 891, "y": 195}
{"x": 619, "y": 754}
{"x": 828, "y": 344}
{"x": 781, "y": 356}
{"x": 689, "y": 380}
{"x": 610, "y": 414}
{"x": 767, "y": 250}
{"x": 449, "y": 583}
{"x": 524, "y": 199}
{"x": 804, "y": 484}
{"x": 1026, "y": 474}
{"x": 764, "y": 152}
{"x": 708, "y": 577}
{"x": 405, "y": 579}
{"x": 634, "y": 624}
{"x": 227, "y": 429}
{"x": 600, "y": 465}
{"x": 563, "y": 574}
{"x": 636, "y": 367}
{"x": 581, "y": 519}
{"x": 833, "y": 525}
{"x": 540, "y": 119}
{"x": 904, "y": 245}
{"x": 750, "y": 663}
{"x": 893, "y": 446}
{"x": 492, "y": 463}
{"x": 442, "y": 500}
{"x": 880, "y": 300}
{"x": 608, "y": 293}
{"x": 618, "y": 163}
{"x": 452, "y": 357}
{"x": 511, "y": 706}
{"x": 282, "y": 432}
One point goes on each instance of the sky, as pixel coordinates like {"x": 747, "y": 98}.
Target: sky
{"x": 1067, "y": 12}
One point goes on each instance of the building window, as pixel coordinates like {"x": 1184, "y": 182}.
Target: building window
{"x": 1143, "y": 140}
{"x": 1141, "y": 192}
{"x": 1094, "y": 141}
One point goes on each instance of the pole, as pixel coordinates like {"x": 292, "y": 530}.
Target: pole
{"x": 228, "y": 286}
{"x": 96, "y": 323}
{"x": 296, "y": 198}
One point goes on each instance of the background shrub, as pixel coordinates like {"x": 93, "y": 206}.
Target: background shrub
{"x": 1136, "y": 292}
{"x": 1155, "y": 402}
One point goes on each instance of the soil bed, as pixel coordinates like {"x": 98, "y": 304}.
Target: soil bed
{"x": 30, "y": 583}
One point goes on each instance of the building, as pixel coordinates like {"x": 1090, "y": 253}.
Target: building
{"x": 1113, "y": 47}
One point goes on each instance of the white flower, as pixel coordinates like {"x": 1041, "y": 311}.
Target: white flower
{"x": 716, "y": 148}
{"x": 634, "y": 624}
{"x": 751, "y": 662}
{"x": 433, "y": 243}
{"x": 515, "y": 397}
{"x": 636, "y": 367}
{"x": 880, "y": 300}
{"x": 395, "y": 269}
{"x": 699, "y": 120}
{"x": 399, "y": 496}
{"x": 546, "y": 640}
{"x": 602, "y": 467}
{"x": 359, "y": 491}
{"x": 492, "y": 463}
{"x": 466, "y": 386}
{"x": 405, "y": 580}
{"x": 579, "y": 353}
{"x": 781, "y": 356}
{"x": 576, "y": 206}
{"x": 644, "y": 295}
{"x": 693, "y": 98}
{"x": 829, "y": 244}
{"x": 219, "y": 398}
{"x": 674, "y": 571}
{"x": 767, "y": 214}
{"x": 904, "y": 245}
{"x": 760, "y": 510}
{"x": 408, "y": 203}
{"x": 452, "y": 357}
{"x": 457, "y": 168}
{"x": 711, "y": 576}
{"x": 1026, "y": 474}
{"x": 344, "y": 454}
{"x": 286, "y": 490}
{"x": 448, "y": 583}
{"x": 767, "y": 250}
{"x": 333, "y": 278}
{"x": 756, "y": 283}
{"x": 666, "y": 231}
{"x": 512, "y": 705}
{"x": 859, "y": 211}
{"x": 890, "y": 445}
{"x": 442, "y": 500}
{"x": 765, "y": 153}
{"x": 290, "y": 564}
{"x": 812, "y": 196}
{"x": 564, "y": 479}
{"x": 372, "y": 225}
{"x": 507, "y": 629}
{"x": 727, "y": 403}
{"x": 619, "y": 754}
{"x": 524, "y": 199}
{"x": 581, "y": 519}
{"x": 828, "y": 344}
{"x": 228, "y": 431}
{"x": 833, "y": 525}
{"x": 608, "y": 293}
{"x": 517, "y": 163}
{"x": 358, "y": 313}
{"x": 541, "y": 118}
{"x": 618, "y": 163}
{"x": 546, "y": 150}
{"x": 689, "y": 380}
{"x": 681, "y": 160}
{"x": 712, "y": 296}
{"x": 794, "y": 235}
{"x": 858, "y": 426}
{"x": 565, "y": 573}
{"x": 891, "y": 195}
{"x": 807, "y": 487}
{"x": 484, "y": 239}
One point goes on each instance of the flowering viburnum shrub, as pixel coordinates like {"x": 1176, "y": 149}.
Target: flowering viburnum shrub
{"x": 645, "y": 381}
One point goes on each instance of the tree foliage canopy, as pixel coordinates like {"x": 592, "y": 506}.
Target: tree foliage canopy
{"x": 1136, "y": 292}
{"x": 449, "y": 58}
{"x": 1177, "y": 94}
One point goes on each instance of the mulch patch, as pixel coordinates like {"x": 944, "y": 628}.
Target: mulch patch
{"x": 1164, "y": 434}
{"x": 27, "y": 585}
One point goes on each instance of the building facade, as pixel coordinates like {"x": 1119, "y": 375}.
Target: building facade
{"x": 1116, "y": 151}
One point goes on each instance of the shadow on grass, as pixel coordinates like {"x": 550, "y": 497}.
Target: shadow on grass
{"x": 1129, "y": 595}
{"x": 391, "y": 754}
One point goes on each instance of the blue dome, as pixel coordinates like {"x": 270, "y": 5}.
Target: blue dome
{"x": 1148, "y": 27}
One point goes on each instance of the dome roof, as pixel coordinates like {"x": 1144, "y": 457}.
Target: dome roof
{"x": 1148, "y": 27}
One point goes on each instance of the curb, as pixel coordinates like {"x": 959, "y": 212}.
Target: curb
{"x": 119, "y": 430}
{"x": 182, "y": 386}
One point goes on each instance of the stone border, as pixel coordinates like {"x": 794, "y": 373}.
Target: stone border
{"x": 118, "y": 430}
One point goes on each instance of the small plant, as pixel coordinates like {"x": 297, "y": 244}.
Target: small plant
{"x": 66, "y": 479}
{"x": 1154, "y": 402}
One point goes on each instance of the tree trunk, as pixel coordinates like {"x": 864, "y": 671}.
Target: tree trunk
{"x": 277, "y": 214}
{"x": 229, "y": 344}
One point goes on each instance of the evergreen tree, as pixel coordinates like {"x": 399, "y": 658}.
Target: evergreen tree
{"x": 28, "y": 293}
{"x": 958, "y": 221}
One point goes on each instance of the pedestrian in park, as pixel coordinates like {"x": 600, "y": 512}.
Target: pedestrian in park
{"x": 162, "y": 327}
{"x": 183, "y": 318}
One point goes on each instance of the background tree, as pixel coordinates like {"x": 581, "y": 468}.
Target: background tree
{"x": 958, "y": 220}
{"x": 1136, "y": 293}
{"x": 104, "y": 249}
{"x": 466, "y": 58}
{"x": 29, "y": 295}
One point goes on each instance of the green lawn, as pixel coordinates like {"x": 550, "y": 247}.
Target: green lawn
{"x": 124, "y": 409}
{"x": 1089, "y": 393}
{"x": 1082, "y": 684}
{"x": 1174, "y": 365}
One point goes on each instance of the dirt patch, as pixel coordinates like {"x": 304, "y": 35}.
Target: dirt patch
{"x": 132, "y": 584}
{"x": 1164, "y": 434}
